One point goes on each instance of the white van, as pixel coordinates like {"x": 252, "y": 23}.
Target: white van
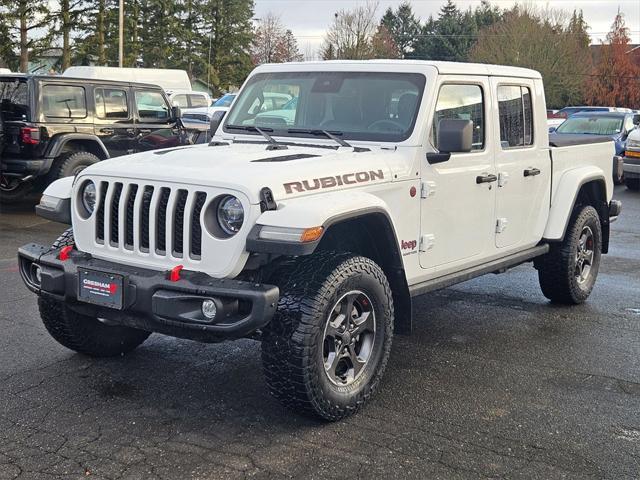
{"x": 170, "y": 80}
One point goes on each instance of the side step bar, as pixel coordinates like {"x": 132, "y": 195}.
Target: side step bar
{"x": 498, "y": 265}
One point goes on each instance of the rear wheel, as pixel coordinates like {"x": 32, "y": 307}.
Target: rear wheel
{"x": 618, "y": 173}
{"x": 14, "y": 190}
{"x": 568, "y": 272}
{"x": 327, "y": 346}
{"x": 632, "y": 183}
{"x": 71, "y": 164}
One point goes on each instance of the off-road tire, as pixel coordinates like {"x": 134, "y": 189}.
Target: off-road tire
{"x": 82, "y": 333}
{"x": 292, "y": 346}
{"x": 17, "y": 194}
{"x": 72, "y": 163}
{"x": 64, "y": 240}
{"x": 557, "y": 269}
{"x": 632, "y": 183}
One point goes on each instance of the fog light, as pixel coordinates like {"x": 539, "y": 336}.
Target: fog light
{"x": 36, "y": 273}
{"x": 209, "y": 309}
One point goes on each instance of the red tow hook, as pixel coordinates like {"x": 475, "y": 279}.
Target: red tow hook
{"x": 64, "y": 252}
{"x": 174, "y": 273}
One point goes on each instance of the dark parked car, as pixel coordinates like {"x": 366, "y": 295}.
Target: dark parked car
{"x": 616, "y": 125}
{"x": 53, "y": 127}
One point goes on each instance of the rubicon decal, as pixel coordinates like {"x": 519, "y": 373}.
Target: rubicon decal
{"x": 333, "y": 181}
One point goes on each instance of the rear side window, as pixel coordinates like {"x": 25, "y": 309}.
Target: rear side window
{"x": 464, "y": 102}
{"x": 198, "y": 101}
{"x": 181, "y": 101}
{"x": 111, "y": 103}
{"x": 151, "y": 106}
{"x": 14, "y": 99}
{"x": 516, "y": 116}
{"x": 64, "y": 101}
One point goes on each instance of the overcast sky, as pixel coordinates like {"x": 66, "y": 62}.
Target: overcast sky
{"x": 308, "y": 19}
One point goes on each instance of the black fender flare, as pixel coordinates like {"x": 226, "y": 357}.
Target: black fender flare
{"x": 59, "y": 141}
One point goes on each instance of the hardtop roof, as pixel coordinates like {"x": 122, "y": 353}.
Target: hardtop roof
{"x": 444, "y": 68}
{"x": 58, "y": 78}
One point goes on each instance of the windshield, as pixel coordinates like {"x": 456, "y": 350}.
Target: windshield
{"x": 595, "y": 125}
{"x": 14, "y": 99}
{"x": 224, "y": 101}
{"x": 367, "y": 106}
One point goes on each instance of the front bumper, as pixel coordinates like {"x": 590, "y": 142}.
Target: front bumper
{"x": 632, "y": 165}
{"x": 151, "y": 301}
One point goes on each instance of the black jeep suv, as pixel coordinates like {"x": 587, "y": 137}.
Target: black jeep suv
{"x": 53, "y": 127}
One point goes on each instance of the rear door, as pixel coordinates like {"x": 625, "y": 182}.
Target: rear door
{"x": 114, "y": 119}
{"x": 523, "y": 165}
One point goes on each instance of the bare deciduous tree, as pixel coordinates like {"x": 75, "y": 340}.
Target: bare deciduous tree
{"x": 350, "y": 36}
{"x": 272, "y": 43}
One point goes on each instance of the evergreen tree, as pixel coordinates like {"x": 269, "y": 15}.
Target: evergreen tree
{"x": 449, "y": 37}
{"x": 403, "y": 27}
{"x": 228, "y": 22}
{"x": 23, "y": 20}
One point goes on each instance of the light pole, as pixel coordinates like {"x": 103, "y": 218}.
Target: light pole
{"x": 121, "y": 34}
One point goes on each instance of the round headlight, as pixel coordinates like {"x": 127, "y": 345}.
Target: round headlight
{"x": 88, "y": 196}
{"x": 230, "y": 215}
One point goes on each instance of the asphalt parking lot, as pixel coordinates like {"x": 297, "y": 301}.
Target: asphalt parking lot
{"x": 495, "y": 382}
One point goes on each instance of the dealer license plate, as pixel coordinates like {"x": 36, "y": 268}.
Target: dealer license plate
{"x": 100, "y": 288}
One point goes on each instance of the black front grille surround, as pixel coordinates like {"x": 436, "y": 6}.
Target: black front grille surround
{"x": 126, "y": 213}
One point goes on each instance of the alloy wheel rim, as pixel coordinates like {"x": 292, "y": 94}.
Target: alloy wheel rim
{"x": 349, "y": 337}
{"x": 584, "y": 255}
{"x": 8, "y": 185}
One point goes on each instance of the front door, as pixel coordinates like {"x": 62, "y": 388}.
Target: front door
{"x": 154, "y": 127}
{"x": 458, "y": 196}
{"x": 523, "y": 165}
{"x": 114, "y": 120}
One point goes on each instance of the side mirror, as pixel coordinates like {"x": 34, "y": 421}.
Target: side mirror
{"x": 636, "y": 119}
{"x": 216, "y": 120}
{"x": 176, "y": 112}
{"x": 552, "y": 129}
{"x": 454, "y": 136}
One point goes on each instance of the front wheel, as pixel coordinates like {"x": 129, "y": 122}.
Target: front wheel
{"x": 568, "y": 272}
{"x": 327, "y": 346}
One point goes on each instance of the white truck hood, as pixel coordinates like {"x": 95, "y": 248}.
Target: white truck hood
{"x": 296, "y": 171}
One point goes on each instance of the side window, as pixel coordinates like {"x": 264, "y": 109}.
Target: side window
{"x": 461, "y": 102}
{"x": 628, "y": 123}
{"x": 516, "y": 116}
{"x": 180, "y": 100}
{"x": 64, "y": 101}
{"x": 151, "y": 106}
{"x": 111, "y": 103}
{"x": 198, "y": 101}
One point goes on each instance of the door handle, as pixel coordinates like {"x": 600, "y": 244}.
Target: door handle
{"x": 531, "y": 172}
{"x": 108, "y": 131}
{"x": 486, "y": 178}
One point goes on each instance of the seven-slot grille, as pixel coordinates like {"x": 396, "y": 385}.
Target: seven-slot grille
{"x": 149, "y": 218}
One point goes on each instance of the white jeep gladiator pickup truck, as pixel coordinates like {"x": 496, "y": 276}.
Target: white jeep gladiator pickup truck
{"x": 313, "y": 230}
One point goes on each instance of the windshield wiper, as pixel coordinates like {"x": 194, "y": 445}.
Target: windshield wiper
{"x": 262, "y": 131}
{"x": 326, "y": 133}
